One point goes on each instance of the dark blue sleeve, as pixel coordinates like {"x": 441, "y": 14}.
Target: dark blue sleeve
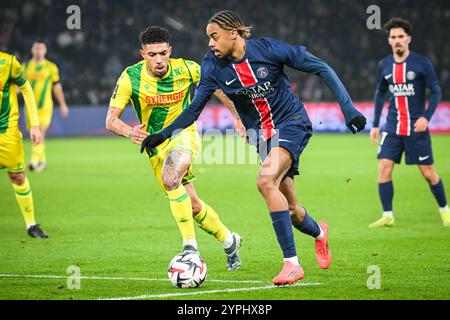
{"x": 433, "y": 84}
{"x": 203, "y": 93}
{"x": 283, "y": 53}
{"x": 380, "y": 95}
{"x": 436, "y": 95}
{"x": 379, "y": 103}
{"x": 312, "y": 64}
{"x": 382, "y": 84}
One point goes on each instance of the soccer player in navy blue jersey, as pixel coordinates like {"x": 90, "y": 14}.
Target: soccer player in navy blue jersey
{"x": 251, "y": 73}
{"x": 405, "y": 75}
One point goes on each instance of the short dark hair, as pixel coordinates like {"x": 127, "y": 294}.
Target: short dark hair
{"x": 154, "y": 34}
{"x": 39, "y": 41}
{"x": 399, "y": 23}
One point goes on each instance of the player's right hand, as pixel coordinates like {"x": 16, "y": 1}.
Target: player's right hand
{"x": 375, "y": 135}
{"x": 35, "y": 135}
{"x": 239, "y": 127}
{"x": 137, "y": 135}
{"x": 152, "y": 141}
{"x": 357, "y": 123}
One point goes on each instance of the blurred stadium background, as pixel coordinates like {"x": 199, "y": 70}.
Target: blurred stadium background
{"x": 105, "y": 213}
{"x": 91, "y": 59}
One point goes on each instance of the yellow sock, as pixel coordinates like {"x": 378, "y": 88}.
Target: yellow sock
{"x": 38, "y": 153}
{"x": 24, "y": 198}
{"x": 209, "y": 220}
{"x": 181, "y": 207}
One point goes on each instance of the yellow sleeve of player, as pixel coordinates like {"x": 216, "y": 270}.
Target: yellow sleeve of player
{"x": 122, "y": 92}
{"x": 194, "y": 69}
{"x": 18, "y": 75}
{"x": 55, "y": 73}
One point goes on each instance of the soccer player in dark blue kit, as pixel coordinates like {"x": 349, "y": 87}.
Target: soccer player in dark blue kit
{"x": 251, "y": 73}
{"x": 405, "y": 75}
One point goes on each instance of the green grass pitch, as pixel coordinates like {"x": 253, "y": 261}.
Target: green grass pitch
{"x": 104, "y": 212}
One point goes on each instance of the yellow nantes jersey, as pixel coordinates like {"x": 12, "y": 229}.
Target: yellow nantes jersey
{"x": 157, "y": 101}
{"x": 11, "y": 74}
{"x": 42, "y": 77}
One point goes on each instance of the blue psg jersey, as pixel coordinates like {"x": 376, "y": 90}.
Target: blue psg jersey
{"x": 258, "y": 84}
{"x": 405, "y": 83}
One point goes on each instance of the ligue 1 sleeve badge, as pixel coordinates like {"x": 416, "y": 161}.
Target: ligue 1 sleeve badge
{"x": 262, "y": 72}
{"x": 410, "y": 75}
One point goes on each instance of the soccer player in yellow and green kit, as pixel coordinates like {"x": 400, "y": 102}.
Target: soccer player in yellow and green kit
{"x": 44, "y": 78}
{"x": 158, "y": 88}
{"x": 11, "y": 142}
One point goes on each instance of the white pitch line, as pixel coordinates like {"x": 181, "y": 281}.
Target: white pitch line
{"x": 43, "y": 276}
{"x": 196, "y": 293}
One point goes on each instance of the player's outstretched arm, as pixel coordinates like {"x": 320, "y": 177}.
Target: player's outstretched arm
{"x": 353, "y": 118}
{"x": 114, "y": 124}
{"x": 184, "y": 120}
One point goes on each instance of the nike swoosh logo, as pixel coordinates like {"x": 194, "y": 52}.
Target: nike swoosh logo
{"x": 284, "y": 140}
{"x": 388, "y": 76}
{"x": 230, "y": 82}
{"x": 423, "y": 158}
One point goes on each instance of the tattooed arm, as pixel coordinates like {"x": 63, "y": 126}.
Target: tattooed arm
{"x": 120, "y": 128}
{"x": 240, "y": 129}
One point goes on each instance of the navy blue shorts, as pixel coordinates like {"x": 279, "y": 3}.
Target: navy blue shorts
{"x": 293, "y": 138}
{"x": 417, "y": 148}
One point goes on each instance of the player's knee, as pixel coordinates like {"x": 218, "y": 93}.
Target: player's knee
{"x": 17, "y": 178}
{"x": 265, "y": 183}
{"x": 170, "y": 183}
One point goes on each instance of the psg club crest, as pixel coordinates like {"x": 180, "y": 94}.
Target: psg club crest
{"x": 262, "y": 72}
{"x": 410, "y": 75}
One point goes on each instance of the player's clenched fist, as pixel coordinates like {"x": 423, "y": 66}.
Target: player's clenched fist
{"x": 152, "y": 141}
{"x": 137, "y": 134}
{"x": 357, "y": 123}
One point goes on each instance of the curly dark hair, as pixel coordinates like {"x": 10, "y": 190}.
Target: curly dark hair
{"x": 399, "y": 23}
{"x": 154, "y": 34}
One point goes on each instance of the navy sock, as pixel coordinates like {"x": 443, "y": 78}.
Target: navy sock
{"x": 281, "y": 221}
{"x": 439, "y": 193}
{"x": 309, "y": 226}
{"x": 386, "y": 192}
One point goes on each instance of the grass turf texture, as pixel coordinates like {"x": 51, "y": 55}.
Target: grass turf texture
{"x": 104, "y": 212}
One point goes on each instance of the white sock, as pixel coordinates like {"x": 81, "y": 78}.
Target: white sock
{"x": 293, "y": 260}
{"x": 321, "y": 235}
{"x": 30, "y": 225}
{"x": 443, "y": 209}
{"x": 228, "y": 241}
{"x": 190, "y": 242}
{"x": 389, "y": 214}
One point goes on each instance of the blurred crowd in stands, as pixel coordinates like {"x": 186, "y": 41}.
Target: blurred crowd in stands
{"x": 92, "y": 58}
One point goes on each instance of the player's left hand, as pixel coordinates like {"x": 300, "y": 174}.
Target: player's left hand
{"x": 35, "y": 135}
{"x": 357, "y": 123}
{"x": 421, "y": 125}
{"x": 64, "y": 110}
{"x": 152, "y": 141}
